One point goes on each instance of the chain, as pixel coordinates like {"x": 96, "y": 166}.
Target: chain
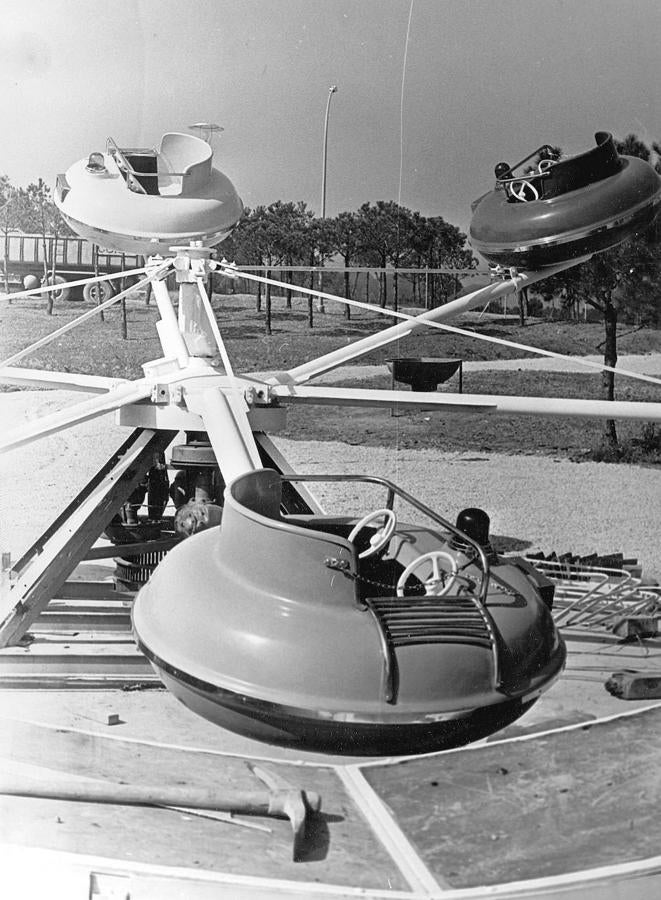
{"x": 342, "y": 565}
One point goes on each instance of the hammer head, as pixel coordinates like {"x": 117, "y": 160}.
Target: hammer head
{"x": 295, "y": 805}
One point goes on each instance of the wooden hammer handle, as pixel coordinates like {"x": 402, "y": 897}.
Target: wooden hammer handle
{"x": 257, "y": 803}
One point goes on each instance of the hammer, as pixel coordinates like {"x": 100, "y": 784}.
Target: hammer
{"x": 281, "y": 801}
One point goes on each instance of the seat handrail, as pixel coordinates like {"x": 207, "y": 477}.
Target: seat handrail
{"x": 122, "y": 162}
{"x": 114, "y": 150}
{"x": 394, "y": 490}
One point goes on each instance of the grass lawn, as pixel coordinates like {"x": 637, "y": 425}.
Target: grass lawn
{"x": 99, "y": 348}
{"x": 466, "y": 432}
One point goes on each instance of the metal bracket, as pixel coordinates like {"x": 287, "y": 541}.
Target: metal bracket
{"x": 503, "y": 272}
{"x": 152, "y": 266}
{"x": 341, "y": 565}
{"x": 258, "y": 395}
{"x": 160, "y": 394}
{"x": 229, "y": 269}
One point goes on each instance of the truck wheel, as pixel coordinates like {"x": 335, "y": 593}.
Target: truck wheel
{"x": 64, "y": 293}
{"x": 98, "y": 291}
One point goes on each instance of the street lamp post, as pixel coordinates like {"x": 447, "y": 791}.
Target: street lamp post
{"x": 331, "y": 90}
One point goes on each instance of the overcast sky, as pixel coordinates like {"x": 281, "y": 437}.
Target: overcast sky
{"x": 485, "y": 80}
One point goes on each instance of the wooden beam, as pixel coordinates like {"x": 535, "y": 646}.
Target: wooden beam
{"x": 47, "y": 565}
{"x": 93, "y": 590}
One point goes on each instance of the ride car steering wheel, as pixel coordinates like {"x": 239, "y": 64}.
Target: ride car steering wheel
{"x": 436, "y": 585}
{"x": 380, "y": 537}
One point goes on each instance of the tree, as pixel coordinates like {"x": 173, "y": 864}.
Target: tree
{"x": 6, "y": 197}
{"x": 307, "y": 248}
{"x": 323, "y": 234}
{"x": 33, "y": 211}
{"x": 346, "y": 239}
{"x": 291, "y": 223}
{"x": 436, "y": 244}
{"x": 385, "y": 229}
{"x": 609, "y": 280}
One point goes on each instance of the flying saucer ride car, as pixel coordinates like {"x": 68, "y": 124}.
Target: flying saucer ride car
{"x": 555, "y": 211}
{"x": 147, "y": 201}
{"x": 345, "y": 635}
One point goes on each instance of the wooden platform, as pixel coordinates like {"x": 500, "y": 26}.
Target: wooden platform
{"x": 564, "y": 803}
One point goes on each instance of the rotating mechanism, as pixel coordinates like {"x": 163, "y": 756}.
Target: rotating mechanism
{"x": 358, "y": 634}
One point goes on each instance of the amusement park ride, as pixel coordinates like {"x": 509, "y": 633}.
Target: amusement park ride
{"x": 358, "y": 635}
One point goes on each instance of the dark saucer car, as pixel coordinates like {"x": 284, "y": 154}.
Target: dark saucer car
{"x": 557, "y": 211}
{"x": 366, "y": 636}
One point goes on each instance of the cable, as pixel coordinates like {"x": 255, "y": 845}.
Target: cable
{"x": 441, "y": 325}
{"x": 49, "y": 288}
{"x": 91, "y": 312}
{"x": 401, "y": 113}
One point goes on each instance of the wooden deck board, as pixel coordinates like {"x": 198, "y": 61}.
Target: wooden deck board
{"x": 516, "y": 814}
{"x": 341, "y": 848}
{"x": 532, "y": 808}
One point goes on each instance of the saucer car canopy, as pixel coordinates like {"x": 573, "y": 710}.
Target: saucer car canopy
{"x": 282, "y": 628}
{"x": 564, "y": 209}
{"x": 145, "y": 201}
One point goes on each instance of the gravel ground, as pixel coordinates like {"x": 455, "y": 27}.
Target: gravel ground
{"x": 540, "y": 503}
{"x": 548, "y": 504}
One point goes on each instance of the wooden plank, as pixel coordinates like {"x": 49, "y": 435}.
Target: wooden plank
{"x": 97, "y": 643}
{"x": 102, "y": 877}
{"x": 114, "y": 680}
{"x": 340, "y": 847}
{"x": 85, "y": 605}
{"x": 93, "y": 590}
{"x": 76, "y": 621}
{"x": 635, "y": 685}
{"x": 400, "y": 848}
{"x": 532, "y": 808}
{"x": 63, "y": 547}
{"x": 75, "y": 665}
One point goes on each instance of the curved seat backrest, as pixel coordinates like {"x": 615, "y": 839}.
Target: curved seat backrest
{"x": 260, "y": 492}
{"x": 184, "y": 164}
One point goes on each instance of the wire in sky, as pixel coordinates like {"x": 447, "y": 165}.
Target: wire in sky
{"x": 401, "y": 156}
{"x": 401, "y": 106}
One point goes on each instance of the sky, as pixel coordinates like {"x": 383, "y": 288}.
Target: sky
{"x": 422, "y": 120}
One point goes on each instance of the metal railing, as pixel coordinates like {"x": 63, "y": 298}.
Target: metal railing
{"x": 595, "y": 597}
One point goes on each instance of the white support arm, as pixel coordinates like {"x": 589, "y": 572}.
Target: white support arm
{"x": 225, "y": 417}
{"x": 484, "y": 403}
{"x": 66, "y": 381}
{"x": 74, "y": 415}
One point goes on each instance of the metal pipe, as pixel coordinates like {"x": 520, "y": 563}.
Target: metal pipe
{"x": 483, "y": 403}
{"x": 226, "y": 422}
{"x": 172, "y": 340}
